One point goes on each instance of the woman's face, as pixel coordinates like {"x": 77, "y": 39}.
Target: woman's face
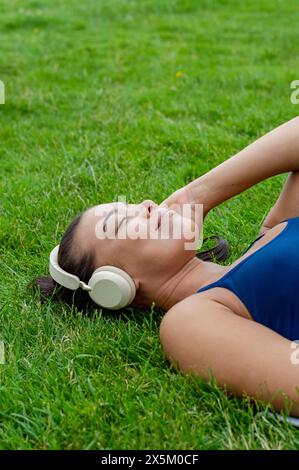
{"x": 145, "y": 240}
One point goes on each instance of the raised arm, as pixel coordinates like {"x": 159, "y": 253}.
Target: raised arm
{"x": 274, "y": 153}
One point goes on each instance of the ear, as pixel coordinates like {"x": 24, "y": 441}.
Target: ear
{"x": 137, "y": 284}
{"x": 137, "y": 302}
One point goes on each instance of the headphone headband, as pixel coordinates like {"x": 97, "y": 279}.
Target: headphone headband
{"x": 59, "y": 275}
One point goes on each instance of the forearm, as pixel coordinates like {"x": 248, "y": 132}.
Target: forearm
{"x": 276, "y": 152}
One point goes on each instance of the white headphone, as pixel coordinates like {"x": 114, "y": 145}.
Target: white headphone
{"x": 109, "y": 286}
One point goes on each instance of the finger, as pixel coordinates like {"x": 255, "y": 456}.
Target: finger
{"x": 164, "y": 203}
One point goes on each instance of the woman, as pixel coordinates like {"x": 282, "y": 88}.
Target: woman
{"x": 237, "y": 322}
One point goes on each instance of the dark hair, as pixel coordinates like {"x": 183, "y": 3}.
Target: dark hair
{"x": 81, "y": 264}
{"x": 219, "y": 252}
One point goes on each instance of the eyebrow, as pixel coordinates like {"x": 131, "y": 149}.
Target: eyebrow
{"x": 107, "y": 217}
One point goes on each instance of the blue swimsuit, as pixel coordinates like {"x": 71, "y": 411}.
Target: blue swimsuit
{"x": 267, "y": 281}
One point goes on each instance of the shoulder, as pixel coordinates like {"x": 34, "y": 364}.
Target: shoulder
{"x": 188, "y": 309}
{"x": 196, "y": 319}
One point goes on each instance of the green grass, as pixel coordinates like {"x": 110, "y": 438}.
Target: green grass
{"x": 95, "y": 109}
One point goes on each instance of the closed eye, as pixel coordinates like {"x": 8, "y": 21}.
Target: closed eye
{"x": 124, "y": 218}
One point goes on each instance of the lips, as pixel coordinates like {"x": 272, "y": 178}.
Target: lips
{"x": 159, "y": 214}
{"x": 159, "y": 219}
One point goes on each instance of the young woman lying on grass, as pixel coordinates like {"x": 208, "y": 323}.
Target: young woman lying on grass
{"x": 237, "y": 321}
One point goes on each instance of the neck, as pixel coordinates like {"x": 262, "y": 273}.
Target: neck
{"x": 191, "y": 277}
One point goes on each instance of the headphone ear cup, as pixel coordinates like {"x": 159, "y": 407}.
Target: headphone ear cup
{"x": 111, "y": 287}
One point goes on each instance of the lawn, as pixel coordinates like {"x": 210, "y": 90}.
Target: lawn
{"x": 121, "y": 97}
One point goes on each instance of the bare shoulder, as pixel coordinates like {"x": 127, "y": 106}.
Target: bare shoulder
{"x": 193, "y": 305}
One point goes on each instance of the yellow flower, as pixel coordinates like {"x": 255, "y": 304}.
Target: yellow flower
{"x": 178, "y": 74}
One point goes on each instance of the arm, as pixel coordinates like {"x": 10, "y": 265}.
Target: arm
{"x": 286, "y": 206}
{"x": 276, "y": 152}
{"x": 200, "y": 334}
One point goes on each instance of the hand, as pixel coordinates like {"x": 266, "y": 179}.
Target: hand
{"x": 180, "y": 197}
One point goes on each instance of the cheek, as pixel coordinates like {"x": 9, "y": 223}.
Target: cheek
{"x": 151, "y": 256}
